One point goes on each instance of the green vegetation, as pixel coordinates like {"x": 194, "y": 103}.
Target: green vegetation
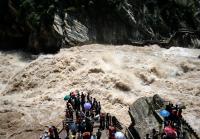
{"x": 29, "y": 23}
{"x": 34, "y": 12}
{"x": 37, "y": 12}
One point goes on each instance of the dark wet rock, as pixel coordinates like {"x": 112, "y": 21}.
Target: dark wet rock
{"x": 70, "y": 23}
{"x": 47, "y": 40}
{"x": 122, "y": 86}
{"x": 96, "y": 70}
{"x": 130, "y": 22}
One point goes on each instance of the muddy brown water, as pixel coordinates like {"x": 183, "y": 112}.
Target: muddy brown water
{"x": 32, "y": 91}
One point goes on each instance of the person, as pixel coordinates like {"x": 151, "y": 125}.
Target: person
{"x": 88, "y": 125}
{"x": 90, "y": 100}
{"x": 94, "y": 103}
{"x": 112, "y": 131}
{"x": 114, "y": 120}
{"x": 78, "y": 94}
{"x": 155, "y": 134}
{"x": 67, "y": 129}
{"x": 102, "y": 121}
{"x": 96, "y": 117}
{"x": 167, "y": 107}
{"x": 98, "y": 134}
{"x": 179, "y": 113}
{"x": 45, "y": 135}
{"x": 98, "y": 109}
{"x": 77, "y": 103}
{"x": 83, "y": 124}
{"x": 93, "y": 137}
{"x": 55, "y": 130}
{"x": 73, "y": 102}
{"x": 147, "y": 136}
{"x": 82, "y": 114}
{"x": 68, "y": 105}
{"x": 73, "y": 128}
{"x": 170, "y": 132}
{"x": 107, "y": 120}
{"x": 79, "y": 136}
{"x": 92, "y": 114}
{"x": 88, "y": 97}
{"x": 78, "y": 117}
{"x": 80, "y": 128}
{"x": 86, "y": 135}
{"x": 71, "y": 114}
{"x": 82, "y": 98}
{"x": 67, "y": 114}
{"x": 184, "y": 135}
{"x": 91, "y": 127}
{"x": 82, "y": 101}
{"x": 51, "y": 133}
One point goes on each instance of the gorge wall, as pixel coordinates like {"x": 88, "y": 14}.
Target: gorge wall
{"x": 46, "y": 27}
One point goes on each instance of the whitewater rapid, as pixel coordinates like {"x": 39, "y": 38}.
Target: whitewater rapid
{"x": 32, "y": 91}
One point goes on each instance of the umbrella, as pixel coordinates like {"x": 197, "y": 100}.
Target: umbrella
{"x": 87, "y": 106}
{"x": 119, "y": 135}
{"x": 170, "y": 132}
{"x": 67, "y": 97}
{"x": 164, "y": 113}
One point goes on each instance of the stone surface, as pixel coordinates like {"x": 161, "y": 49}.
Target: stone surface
{"x": 142, "y": 116}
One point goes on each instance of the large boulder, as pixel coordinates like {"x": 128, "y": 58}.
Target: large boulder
{"x": 143, "y": 118}
{"x": 73, "y": 31}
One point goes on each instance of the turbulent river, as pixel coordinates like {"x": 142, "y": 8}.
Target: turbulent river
{"x": 32, "y": 90}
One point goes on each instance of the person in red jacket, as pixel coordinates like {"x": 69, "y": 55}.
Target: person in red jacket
{"x": 112, "y": 131}
{"x": 86, "y": 135}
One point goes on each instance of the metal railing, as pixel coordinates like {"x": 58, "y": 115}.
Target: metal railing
{"x": 128, "y": 134}
{"x": 126, "y": 131}
{"x": 190, "y": 128}
{"x": 161, "y": 120}
{"x": 60, "y": 126}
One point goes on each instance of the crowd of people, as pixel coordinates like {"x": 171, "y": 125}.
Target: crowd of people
{"x": 172, "y": 124}
{"x": 84, "y": 119}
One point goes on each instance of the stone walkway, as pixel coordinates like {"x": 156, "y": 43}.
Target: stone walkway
{"x": 104, "y": 132}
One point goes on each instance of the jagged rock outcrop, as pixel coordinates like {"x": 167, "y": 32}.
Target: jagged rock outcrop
{"x": 132, "y": 22}
{"x": 143, "y": 119}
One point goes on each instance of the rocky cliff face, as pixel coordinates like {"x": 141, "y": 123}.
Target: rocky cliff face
{"x": 105, "y": 21}
{"x": 130, "y": 21}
